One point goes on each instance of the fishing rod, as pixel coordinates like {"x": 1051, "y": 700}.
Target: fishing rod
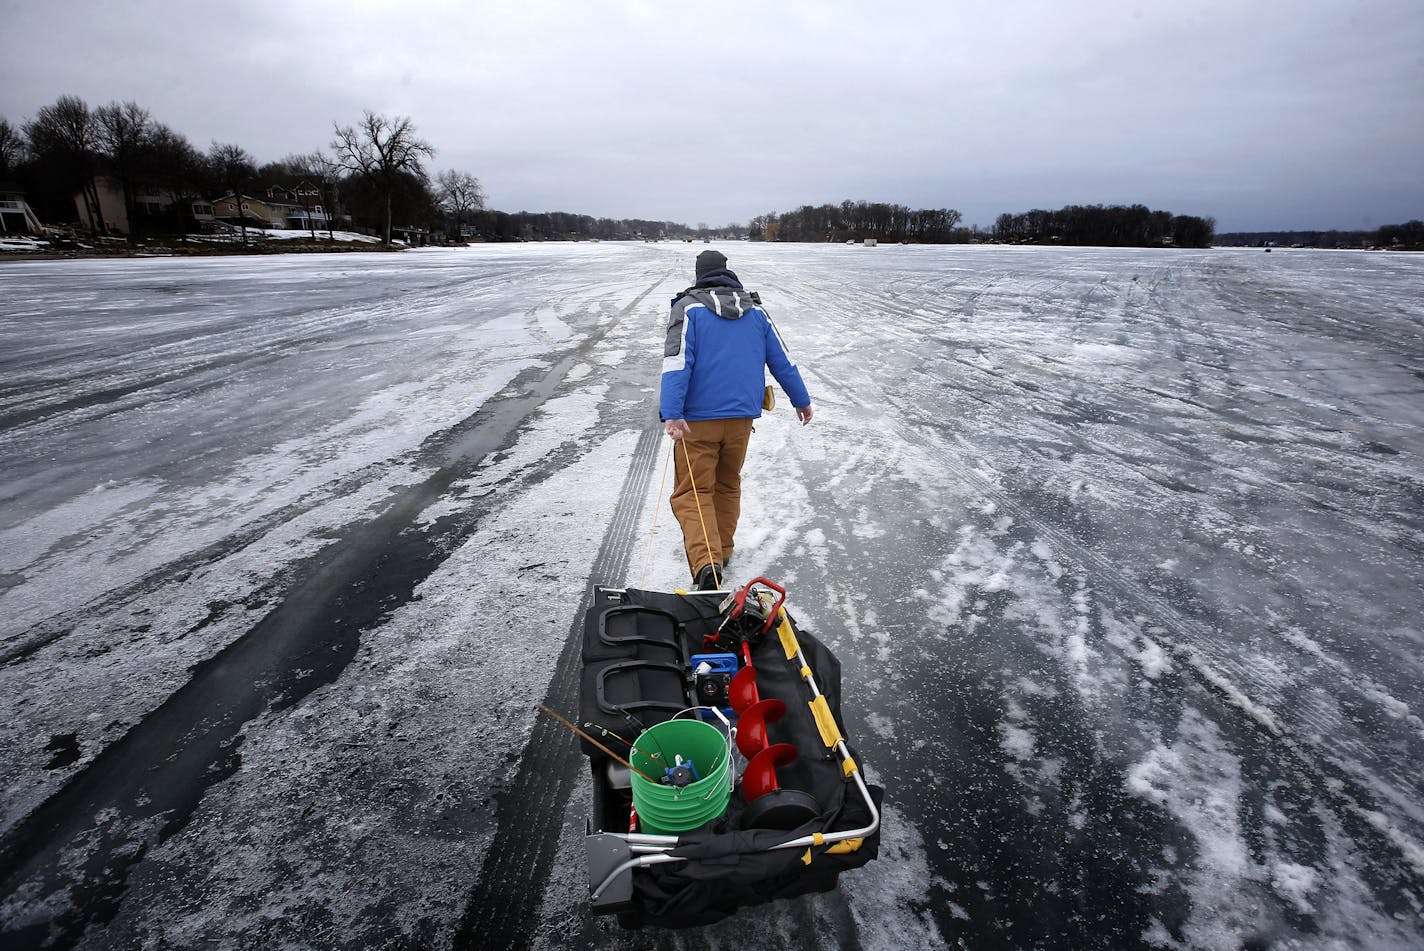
{"x": 596, "y": 743}
{"x": 662, "y": 759}
{"x": 604, "y": 731}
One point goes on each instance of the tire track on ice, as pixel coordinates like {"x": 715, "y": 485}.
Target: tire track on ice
{"x": 530, "y": 815}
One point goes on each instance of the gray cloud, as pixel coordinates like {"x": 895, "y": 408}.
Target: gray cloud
{"x": 1273, "y": 114}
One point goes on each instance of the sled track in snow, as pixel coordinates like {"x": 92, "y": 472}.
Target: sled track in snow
{"x": 506, "y": 897}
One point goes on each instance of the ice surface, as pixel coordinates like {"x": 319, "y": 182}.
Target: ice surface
{"x": 1119, "y": 551}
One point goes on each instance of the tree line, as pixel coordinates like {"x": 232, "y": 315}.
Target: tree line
{"x": 372, "y": 172}
{"x": 858, "y": 220}
{"x": 1109, "y": 225}
{"x": 1113, "y": 226}
{"x": 559, "y": 226}
{"x": 1405, "y": 237}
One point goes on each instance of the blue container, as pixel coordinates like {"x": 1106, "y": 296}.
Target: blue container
{"x": 712, "y": 683}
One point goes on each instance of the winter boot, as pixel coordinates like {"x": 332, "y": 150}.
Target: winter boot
{"x": 708, "y": 578}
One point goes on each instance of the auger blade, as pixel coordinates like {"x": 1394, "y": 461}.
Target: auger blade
{"x": 760, "y": 776}
{"x": 742, "y": 691}
{"x": 751, "y": 727}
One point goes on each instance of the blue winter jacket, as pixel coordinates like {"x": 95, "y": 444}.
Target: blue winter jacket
{"x": 718, "y": 340}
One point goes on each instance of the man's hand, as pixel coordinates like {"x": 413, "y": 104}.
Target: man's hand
{"x": 677, "y": 428}
{"x": 803, "y": 413}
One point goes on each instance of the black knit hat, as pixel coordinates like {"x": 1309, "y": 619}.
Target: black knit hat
{"x": 710, "y": 260}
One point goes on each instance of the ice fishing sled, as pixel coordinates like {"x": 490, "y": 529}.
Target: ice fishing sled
{"x": 721, "y": 775}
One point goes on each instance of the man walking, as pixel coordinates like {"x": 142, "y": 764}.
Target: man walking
{"x": 718, "y": 341}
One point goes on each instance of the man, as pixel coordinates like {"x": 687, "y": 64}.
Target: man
{"x": 718, "y": 340}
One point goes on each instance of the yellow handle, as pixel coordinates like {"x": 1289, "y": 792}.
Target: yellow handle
{"x": 825, "y": 722}
{"x": 788, "y": 637}
{"x": 845, "y": 846}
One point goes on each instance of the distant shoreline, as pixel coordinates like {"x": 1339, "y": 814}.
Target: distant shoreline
{"x": 263, "y": 249}
{"x": 276, "y": 248}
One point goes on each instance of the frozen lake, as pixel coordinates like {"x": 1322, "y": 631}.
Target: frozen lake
{"x": 1121, "y": 551}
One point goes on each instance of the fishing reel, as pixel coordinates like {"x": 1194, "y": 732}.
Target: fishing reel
{"x": 680, "y": 775}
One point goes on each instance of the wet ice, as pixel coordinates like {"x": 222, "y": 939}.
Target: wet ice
{"x": 1102, "y": 539}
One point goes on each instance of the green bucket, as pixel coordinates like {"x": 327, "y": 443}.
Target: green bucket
{"x": 668, "y": 810}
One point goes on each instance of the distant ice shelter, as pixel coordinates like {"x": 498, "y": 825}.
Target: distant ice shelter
{"x": 412, "y": 235}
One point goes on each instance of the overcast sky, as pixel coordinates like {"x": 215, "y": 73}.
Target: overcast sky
{"x": 1264, "y": 114}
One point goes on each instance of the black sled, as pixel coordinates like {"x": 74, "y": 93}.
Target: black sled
{"x": 787, "y": 811}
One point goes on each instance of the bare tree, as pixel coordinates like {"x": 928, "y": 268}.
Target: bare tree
{"x": 66, "y": 131}
{"x": 379, "y": 149}
{"x": 319, "y": 170}
{"x": 330, "y": 171}
{"x": 11, "y": 148}
{"x": 122, "y": 131}
{"x": 460, "y": 193}
{"x": 170, "y": 160}
{"x": 235, "y": 168}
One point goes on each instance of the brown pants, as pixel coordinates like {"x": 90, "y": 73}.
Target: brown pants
{"x": 716, "y": 449}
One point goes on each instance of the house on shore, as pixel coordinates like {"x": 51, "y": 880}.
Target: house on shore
{"x": 153, "y": 205}
{"x": 243, "y": 209}
{"x": 156, "y": 208}
{"x": 300, "y": 206}
{"x": 281, "y": 209}
{"x": 16, "y": 217}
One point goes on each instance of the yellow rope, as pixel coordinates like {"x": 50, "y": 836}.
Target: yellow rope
{"x": 698, "y": 502}
{"x": 657, "y": 507}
